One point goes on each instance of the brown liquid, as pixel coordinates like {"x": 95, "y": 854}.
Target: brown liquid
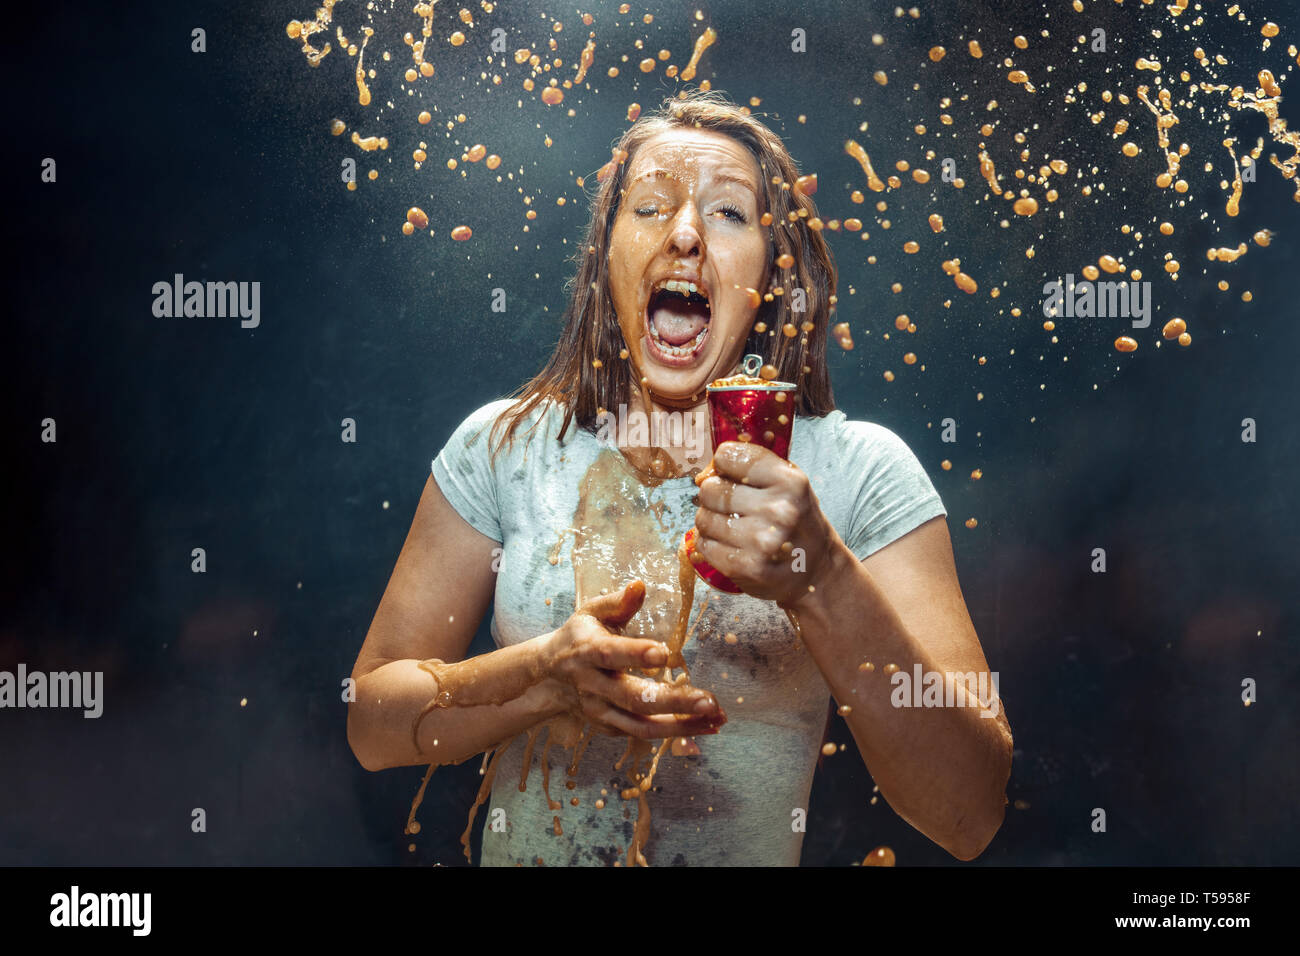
{"x": 584, "y": 738}
{"x": 458, "y": 686}
{"x": 880, "y": 856}
{"x": 587, "y": 57}
{"x": 303, "y": 30}
{"x": 616, "y": 540}
{"x": 553, "y": 556}
{"x": 412, "y": 826}
{"x": 528, "y": 757}
{"x": 363, "y": 91}
{"x": 843, "y": 336}
{"x": 1165, "y": 118}
{"x": 489, "y": 774}
{"x": 546, "y": 769}
{"x": 874, "y": 182}
{"x": 740, "y": 380}
{"x": 989, "y": 173}
{"x": 1277, "y": 128}
{"x": 704, "y": 41}
{"x": 1224, "y": 254}
{"x": 641, "y": 831}
{"x": 1025, "y": 206}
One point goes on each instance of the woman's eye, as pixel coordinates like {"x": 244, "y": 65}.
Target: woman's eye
{"x": 731, "y": 212}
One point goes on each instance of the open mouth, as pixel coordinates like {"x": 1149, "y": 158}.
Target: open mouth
{"x": 677, "y": 322}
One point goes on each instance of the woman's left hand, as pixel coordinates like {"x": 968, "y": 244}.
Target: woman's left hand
{"x": 759, "y": 523}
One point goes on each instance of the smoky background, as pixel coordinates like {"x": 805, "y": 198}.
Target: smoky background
{"x": 1123, "y": 689}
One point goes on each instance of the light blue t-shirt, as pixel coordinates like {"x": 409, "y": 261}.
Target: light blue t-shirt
{"x": 733, "y": 804}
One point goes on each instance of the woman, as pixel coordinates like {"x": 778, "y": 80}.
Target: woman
{"x": 577, "y": 536}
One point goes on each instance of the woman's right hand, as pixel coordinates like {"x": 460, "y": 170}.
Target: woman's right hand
{"x": 589, "y": 663}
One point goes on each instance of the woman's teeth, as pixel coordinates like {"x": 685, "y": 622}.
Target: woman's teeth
{"x": 677, "y": 285}
{"x": 685, "y": 348}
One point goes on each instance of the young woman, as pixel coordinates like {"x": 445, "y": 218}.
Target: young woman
{"x": 576, "y": 536}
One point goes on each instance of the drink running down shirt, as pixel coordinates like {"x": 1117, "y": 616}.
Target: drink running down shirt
{"x": 733, "y": 804}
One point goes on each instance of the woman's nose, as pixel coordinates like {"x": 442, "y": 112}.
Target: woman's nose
{"x": 684, "y": 237}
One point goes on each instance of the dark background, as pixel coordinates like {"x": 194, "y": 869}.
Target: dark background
{"x": 1123, "y": 689}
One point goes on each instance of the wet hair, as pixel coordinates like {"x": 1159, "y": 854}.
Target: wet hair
{"x": 591, "y": 328}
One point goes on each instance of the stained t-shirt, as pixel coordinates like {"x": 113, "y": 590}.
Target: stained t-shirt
{"x": 735, "y": 803}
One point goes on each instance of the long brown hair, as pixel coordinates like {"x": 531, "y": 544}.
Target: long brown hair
{"x": 591, "y": 328}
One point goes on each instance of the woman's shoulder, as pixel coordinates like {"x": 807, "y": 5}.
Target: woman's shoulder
{"x": 870, "y": 483}
{"x": 835, "y": 425}
{"x": 490, "y": 412}
{"x": 474, "y": 425}
{"x": 496, "y": 417}
{"x": 842, "y": 442}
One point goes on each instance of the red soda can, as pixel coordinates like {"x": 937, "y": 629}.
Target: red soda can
{"x": 748, "y": 409}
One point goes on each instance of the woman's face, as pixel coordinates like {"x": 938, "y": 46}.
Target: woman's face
{"x": 691, "y": 207}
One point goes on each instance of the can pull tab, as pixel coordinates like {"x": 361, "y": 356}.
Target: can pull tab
{"x": 750, "y": 364}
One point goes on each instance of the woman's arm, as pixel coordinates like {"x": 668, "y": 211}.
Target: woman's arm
{"x": 438, "y": 594}
{"x": 944, "y": 769}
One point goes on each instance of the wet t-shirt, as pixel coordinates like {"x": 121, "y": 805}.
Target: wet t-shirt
{"x": 744, "y": 799}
